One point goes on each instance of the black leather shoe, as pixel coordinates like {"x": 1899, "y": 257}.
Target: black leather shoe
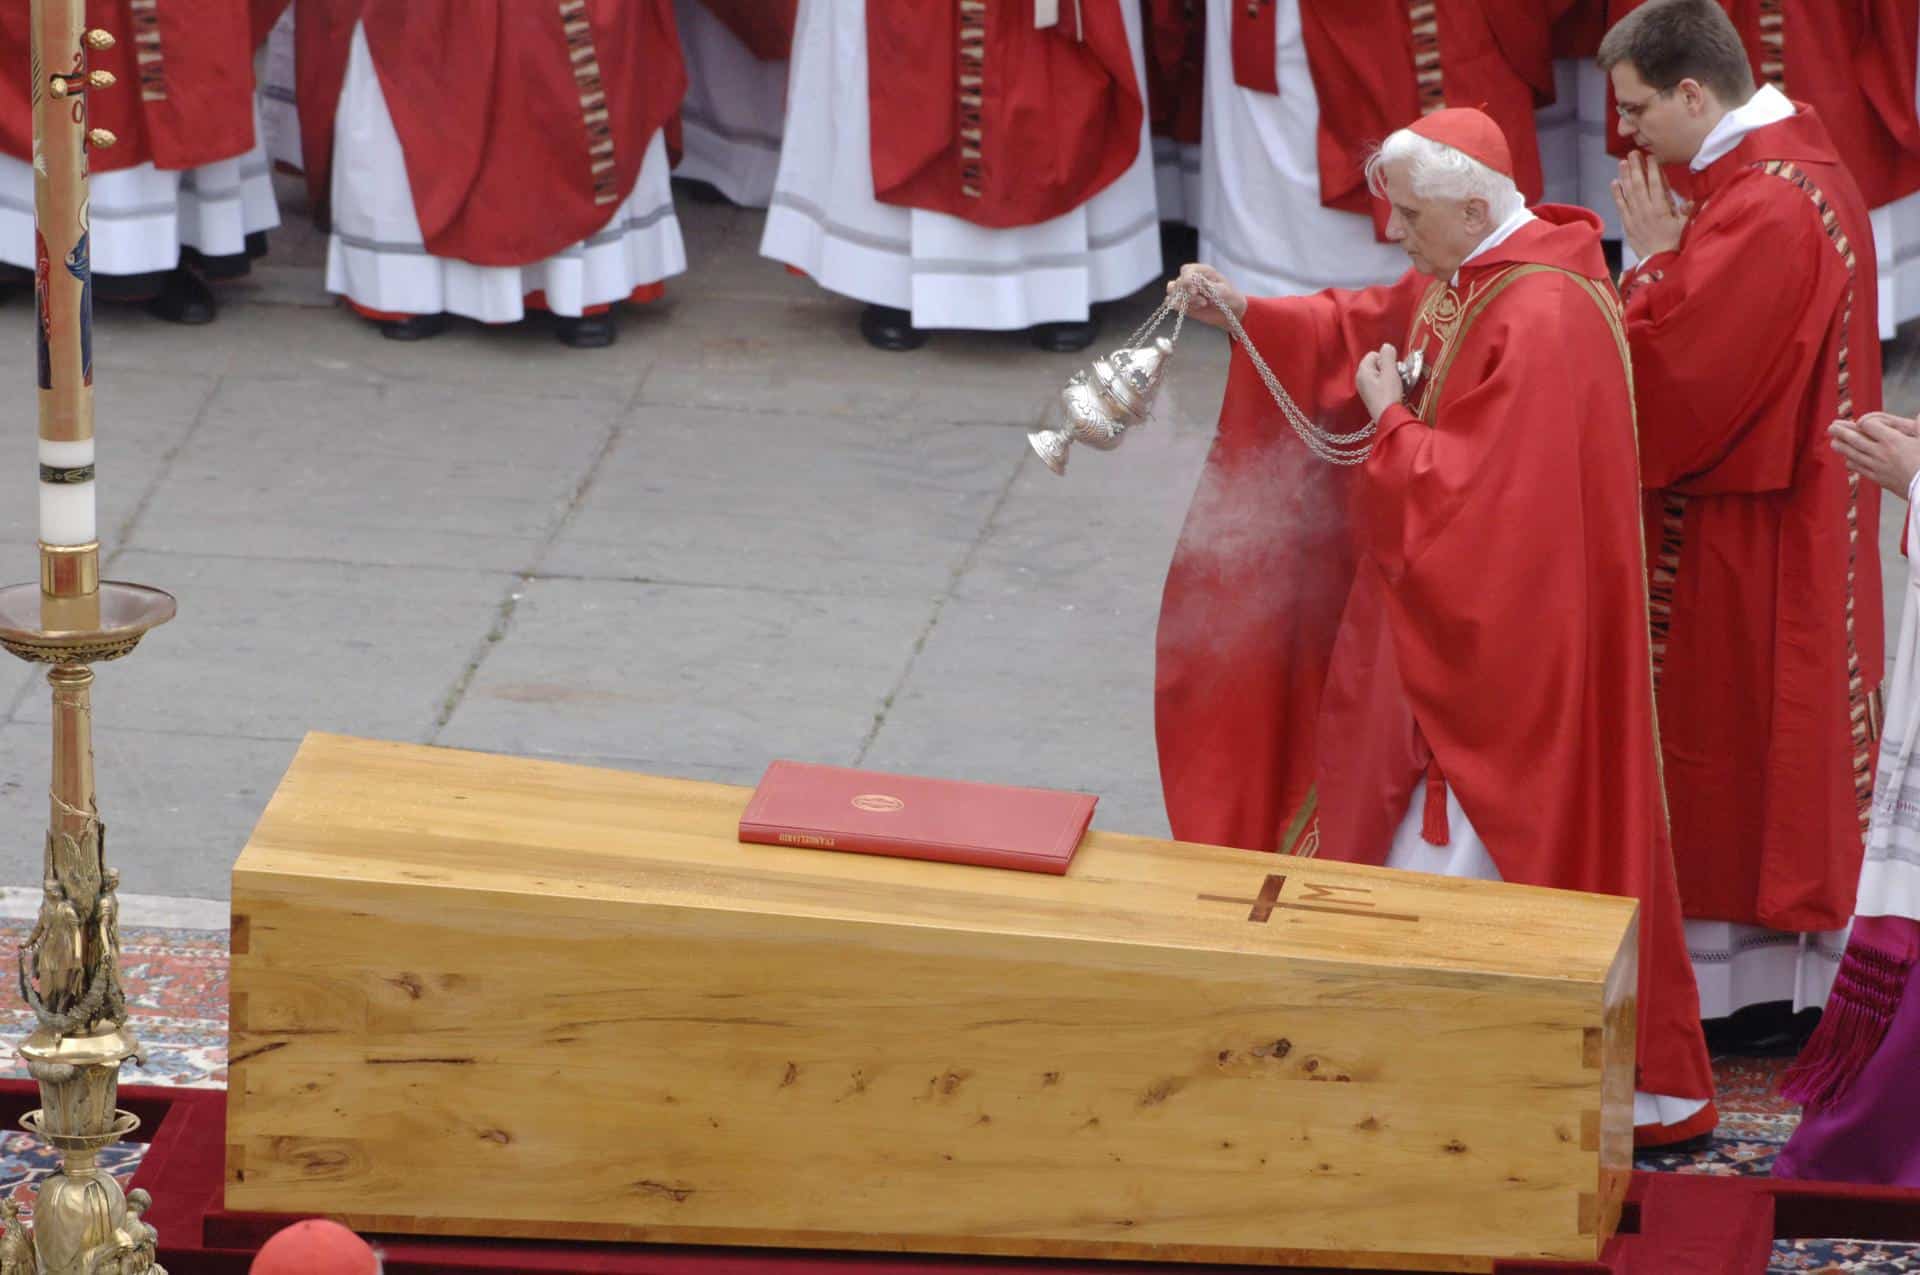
{"x": 1178, "y": 242}
{"x": 184, "y": 298}
{"x": 700, "y": 192}
{"x": 234, "y": 265}
{"x": 886, "y": 328}
{"x": 589, "y": 332}
{"x": 130, "y": 289}
{"x": 1771, "y": 1030}
{"x": 415, "y": 327}
{"x": 14, "y": 279}
{"x": 1063, "y": 338}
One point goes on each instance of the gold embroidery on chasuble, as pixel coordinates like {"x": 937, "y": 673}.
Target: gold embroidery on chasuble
{"x": 144, "y": 16}
{"x": 972, "y": 86}
{"x": 1864, "y": 706}
{"x": 1773, "y": 43}
{"x": 1440, "y": 325}
{"x": 593, "y": 100}
{"x": 1423, "y": 20}
{"x": 1663, "y": 576}
{"x": 1302, "y": 837}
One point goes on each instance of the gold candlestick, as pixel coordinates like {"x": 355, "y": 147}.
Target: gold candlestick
{"x": 70, "y": 618}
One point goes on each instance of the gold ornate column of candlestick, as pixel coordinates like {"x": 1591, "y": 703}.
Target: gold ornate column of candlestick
{"x": 69, "y": 967}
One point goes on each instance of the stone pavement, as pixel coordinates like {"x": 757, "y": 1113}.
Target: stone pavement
{"x": 737, "y": 535}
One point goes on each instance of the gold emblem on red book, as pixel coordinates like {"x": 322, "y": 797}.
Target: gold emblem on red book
{"x": 878, "y": 803}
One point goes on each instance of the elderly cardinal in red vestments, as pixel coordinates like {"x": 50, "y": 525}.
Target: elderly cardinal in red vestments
{"x": 1438, "y": 658}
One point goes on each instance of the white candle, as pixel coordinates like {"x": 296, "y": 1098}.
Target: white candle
{"x": 67, "y": 508}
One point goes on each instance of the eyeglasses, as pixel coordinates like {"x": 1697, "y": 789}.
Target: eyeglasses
{"x": 1631, "y": 112}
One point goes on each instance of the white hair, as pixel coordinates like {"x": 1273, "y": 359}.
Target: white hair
{"x": 1438, "y": 171}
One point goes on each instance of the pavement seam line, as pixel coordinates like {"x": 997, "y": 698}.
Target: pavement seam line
{"x": 123, "y": 535}
{"x": 503, "y": 616}
{"x": 316, "y": 560}
{"x": 939, "y": 607}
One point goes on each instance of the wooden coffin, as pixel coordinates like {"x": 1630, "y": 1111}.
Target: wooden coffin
{"x": 480, "y": 995}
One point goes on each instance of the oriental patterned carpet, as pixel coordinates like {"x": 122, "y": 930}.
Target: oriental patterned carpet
{"x": 177, "y": 979}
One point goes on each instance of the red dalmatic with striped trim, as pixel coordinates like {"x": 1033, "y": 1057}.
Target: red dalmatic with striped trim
{"x": 523, "y": 122}
{"x": 184, "y": 91}
{"x": 1765, "y": 584}
{"x": 977, "y": 114}
{"x": 1378, "y": 65}
{"x": 1854, "y": 61}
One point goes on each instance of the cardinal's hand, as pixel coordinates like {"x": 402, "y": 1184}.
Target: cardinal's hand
{"x": 1377, "y": 381}
{"x": 1198, "y": 306}
{"x": 1650, "y": 219}
{"x": 1881, "y": 448}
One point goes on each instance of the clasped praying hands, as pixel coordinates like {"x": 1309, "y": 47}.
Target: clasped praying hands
{"x": 1880, "y": 447}
{"x": 1650, "y": 217}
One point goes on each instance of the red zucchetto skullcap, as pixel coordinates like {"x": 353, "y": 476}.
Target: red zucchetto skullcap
{"x": 1471, "y": 132}
{"x": 315, "y": 1247}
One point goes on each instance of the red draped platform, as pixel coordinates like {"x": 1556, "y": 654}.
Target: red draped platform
{"x": 1674, "y": 1222}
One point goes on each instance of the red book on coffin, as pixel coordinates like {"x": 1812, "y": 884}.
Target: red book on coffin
{"x": 833, "y": 808}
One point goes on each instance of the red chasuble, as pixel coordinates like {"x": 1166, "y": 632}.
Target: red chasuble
{"x": 523, "y": 123}
{"x": 1768, "y": 637}
{"x": 1378, "y": 65}
{"x": 1176, "y": 67}
{"x": 1855, "y": 62}
{"x": 1470, "y": 602}
{"x": 322, "y": 35}
{"x": 1578, "y": 27}
{"x": 764, "y": 26}
{"x": 977, "y": 114}
{"x": 261, "y": 15}
{"x": 1533, "y": 33}
{"x": 184, "y": 95}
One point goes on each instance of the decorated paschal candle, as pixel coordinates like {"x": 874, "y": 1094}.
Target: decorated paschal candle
{"x": 63, "y": 289}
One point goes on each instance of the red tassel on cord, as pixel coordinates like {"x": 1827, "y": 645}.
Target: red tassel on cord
{"x": 1433, "y": 823}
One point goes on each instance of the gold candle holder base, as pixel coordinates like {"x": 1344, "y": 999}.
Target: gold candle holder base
{"x": 83, "y": 1223}
{"x": 90, "y": 628}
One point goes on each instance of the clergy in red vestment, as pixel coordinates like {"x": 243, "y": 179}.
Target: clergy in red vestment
{"x": 735, "y": 110}
{"x": 183, "y": 195}
{"x": 486, "y": 157}
{"x": 1437, "y": 658}
{"x": 1176, "y": 32}
{"x": 1487, "y": 53}
{"x": 1752, "y": 324}
{"x": 1298, "y": 92}
{"x": 968, "y": 165}
{"x": 1578, "y": 26}
{"x": 278, "y": 85}
{"x": 1855, "y": 62}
